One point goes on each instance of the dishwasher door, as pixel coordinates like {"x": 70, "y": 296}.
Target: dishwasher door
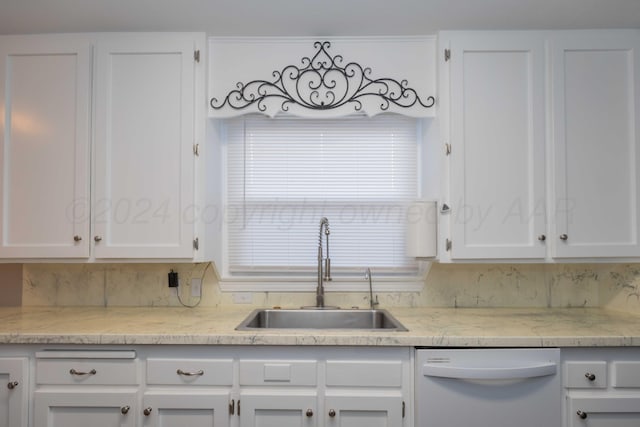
{"x": 488, "y": 388}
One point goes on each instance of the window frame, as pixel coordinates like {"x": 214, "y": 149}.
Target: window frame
{"x": 295, "y": 281}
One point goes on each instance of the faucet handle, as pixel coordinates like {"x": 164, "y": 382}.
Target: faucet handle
{"x": 367, "y": 276}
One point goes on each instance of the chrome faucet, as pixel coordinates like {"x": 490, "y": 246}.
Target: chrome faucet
{"x": 326, "y": 262}
{"x": 367, "y": 276}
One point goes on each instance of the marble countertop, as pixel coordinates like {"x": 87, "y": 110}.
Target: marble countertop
{"x": 440, "y": 327}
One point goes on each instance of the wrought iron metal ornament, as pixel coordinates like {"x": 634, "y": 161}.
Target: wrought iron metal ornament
{"x": 322, "y": 83}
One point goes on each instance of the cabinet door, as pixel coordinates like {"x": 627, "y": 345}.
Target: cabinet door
{"x": 44, "y": 147}
{"x": 619, "y": 411}
{"x": 364, "y": 410}
{"x": 267, "y": 408}
{"x": 497, "y": 88}
{"x": 14, "y": 389}
{"x": 104, "y": 408}
{"x": 179, "y": 409}
{"x": 144, "y": 155}
{"x": 596, "y": 136}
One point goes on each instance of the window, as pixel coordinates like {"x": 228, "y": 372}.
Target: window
{"x": 284, "y": 174}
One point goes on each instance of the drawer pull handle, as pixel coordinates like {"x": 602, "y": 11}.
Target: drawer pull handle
{"x": 232, "y": 407}
{"x": 590, "y": 376}
{"x": 191, "y": 374}
{"x": 564, "y": 237}
{"x": 332, "y": 413}
{"x": 80, "y": 373}
{"x": 12, "y": 385}
{"x": 147, "y": 411}
{"x": 582, "y": 415}
{"x": 309, "y": 413}
{"x": 124, "y": 410}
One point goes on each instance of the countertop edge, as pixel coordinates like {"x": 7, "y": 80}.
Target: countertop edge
{"x": 428, "y": 327}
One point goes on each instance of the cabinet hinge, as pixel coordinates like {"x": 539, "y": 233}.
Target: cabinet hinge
{"x": 196, "y": 55}
{"x": 196, "y": 244}
{"x": 448, "y": 245}
{"x": 447, "y": 54}
{"x": 447, "y": 149}
{"x": 404, "y": 409}
{"x": 196, "y": 149}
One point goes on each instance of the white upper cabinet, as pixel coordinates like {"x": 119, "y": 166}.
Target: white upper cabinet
{"x": 44, "y": 146}
{"x": 596, "y": 136}
{"x": 541, "y": 177}
{"x": 144, "y": 146}
{"x": 497, "y": 137}
{"x": 136, "y": 102}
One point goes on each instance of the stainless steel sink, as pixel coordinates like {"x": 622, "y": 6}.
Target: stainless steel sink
{"x": 376, "y": 320}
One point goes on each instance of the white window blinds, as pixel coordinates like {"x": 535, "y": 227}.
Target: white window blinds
{"x": 284, "y": 174}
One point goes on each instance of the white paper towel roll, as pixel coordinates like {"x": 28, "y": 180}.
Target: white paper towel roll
{"x": 422, "y": 226}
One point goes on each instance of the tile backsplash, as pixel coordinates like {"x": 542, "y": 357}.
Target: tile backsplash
{"x": 615, "y": 286}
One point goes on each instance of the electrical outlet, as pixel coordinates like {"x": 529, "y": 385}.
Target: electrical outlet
{"x": 196, "y": 287}
{"x": 242, "y": 297}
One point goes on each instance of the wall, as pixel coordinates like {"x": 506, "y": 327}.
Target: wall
{"x": 615, "y": 286}
{"x": 10, "y": 285}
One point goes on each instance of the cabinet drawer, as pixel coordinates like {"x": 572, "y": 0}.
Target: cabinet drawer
{"x": 622, "y": 410}
{"x": 364, "y": 373}
{"x": 190, "y": 371}
{"x": 87, "y": 371}
{"x": 278, "y": 372}
{"x": 626, "y": 374}
{"x": 590, "y": 374}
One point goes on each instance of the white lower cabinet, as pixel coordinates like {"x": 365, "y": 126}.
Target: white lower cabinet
{"x": 181, "y": 408}
{"x": 278, "y": 408}
{"x": 602, "y": 387}
{"x": 361, "y": 409}
{"x": 79, "y": 408}
{"x": 14, "y": 391}
{"x": 194, "y": 392}
{"x": 365, "y": 392}
{"x": 327, "y": 387}
{"x": 206, "y": 386}
{"x": 78, "y": 387}
{"x": 604, "y": 411}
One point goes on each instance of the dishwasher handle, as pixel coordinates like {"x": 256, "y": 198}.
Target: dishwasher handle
{"x": 488, "y": 373}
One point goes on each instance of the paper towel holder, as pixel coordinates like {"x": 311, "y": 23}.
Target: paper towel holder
{"x": 422, "y": 229}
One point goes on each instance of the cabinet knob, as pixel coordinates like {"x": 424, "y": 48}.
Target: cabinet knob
{"x": 563, "y": 237}
{"x": 590, "y": 376}
{"x": 97, "y": 238}
{"x": 582, "y": 415}
{"x": 77, "y": 238}
{"x": 147, "y": 411}
{"x": 124, "y": 410}
{"x": 12, "y": 385}
{"x": 332, "y": 413}
{"x": 542, "y": 237}
{"x": 309, "y": 413}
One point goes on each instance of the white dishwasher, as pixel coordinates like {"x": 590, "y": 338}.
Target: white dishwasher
{"x": 488, "y": 388}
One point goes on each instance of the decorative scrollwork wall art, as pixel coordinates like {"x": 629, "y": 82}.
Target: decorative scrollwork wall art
{"x": 323, "y": 83}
